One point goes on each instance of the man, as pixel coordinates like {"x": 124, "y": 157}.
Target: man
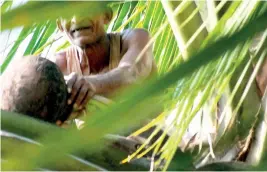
{"x": 98, "y": 62}
{"x": 34, "y": 86}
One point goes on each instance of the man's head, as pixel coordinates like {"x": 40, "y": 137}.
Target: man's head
{"x": 82, "y": 30}
{"x": 34, "y": 86}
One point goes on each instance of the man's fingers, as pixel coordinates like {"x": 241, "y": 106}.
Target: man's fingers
{"x": 82, "y": 95}
{"x": 70, "y": 81}
{"x": 75, "y": 90}
{"x": 80, "y": 90}
{"x": 89, "y": 95}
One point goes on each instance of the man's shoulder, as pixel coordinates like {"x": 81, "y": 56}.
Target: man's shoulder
{"x": 60, "y": 54}
{"x": 128, "y": 33}
{"x": 137, "y": 32}
{"x": 60, "y": 60}
{"x": 60, "y": 57}
{"x": 134, "y": 37}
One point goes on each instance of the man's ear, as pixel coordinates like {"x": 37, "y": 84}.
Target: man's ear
{"x": 59, "y": 26}
{"x": 108, "y": 16}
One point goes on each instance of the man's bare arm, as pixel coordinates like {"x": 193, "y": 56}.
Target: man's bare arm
{"x": 128, "y": 71}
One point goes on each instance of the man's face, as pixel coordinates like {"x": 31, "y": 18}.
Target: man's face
{"x": 82, "y": 31}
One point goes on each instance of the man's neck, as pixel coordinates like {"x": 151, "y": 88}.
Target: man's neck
{"x": 98, "y": 54}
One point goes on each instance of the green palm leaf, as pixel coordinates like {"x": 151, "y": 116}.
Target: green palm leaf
{"x": 197, "y": 66}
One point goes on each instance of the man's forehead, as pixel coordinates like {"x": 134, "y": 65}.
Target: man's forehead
{"x": 79, "y": 17}
{"x": 107, "y": 10}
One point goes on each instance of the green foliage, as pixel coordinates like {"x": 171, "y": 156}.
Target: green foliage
{"x": 186, "y": 84}
{"x": 44, "y": 10}
{"x": 23, "y": 34}
{"x": 6, "y": 6}
{"x": 123, "y": 10}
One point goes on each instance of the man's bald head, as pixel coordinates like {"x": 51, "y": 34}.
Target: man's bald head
{"x": 34, "y": 86}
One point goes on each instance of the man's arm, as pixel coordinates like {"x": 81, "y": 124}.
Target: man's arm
{"x": 128, "y": 71}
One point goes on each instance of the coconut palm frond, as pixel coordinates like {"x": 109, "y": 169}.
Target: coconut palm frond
{"x": 204, "y": 68}
{"x": 187, "y": 104}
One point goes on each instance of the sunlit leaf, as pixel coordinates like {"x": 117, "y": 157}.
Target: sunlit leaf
{"x": 41, "y": 11}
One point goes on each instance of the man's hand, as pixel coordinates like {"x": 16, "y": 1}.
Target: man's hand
{"x": 80, "y": 90}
